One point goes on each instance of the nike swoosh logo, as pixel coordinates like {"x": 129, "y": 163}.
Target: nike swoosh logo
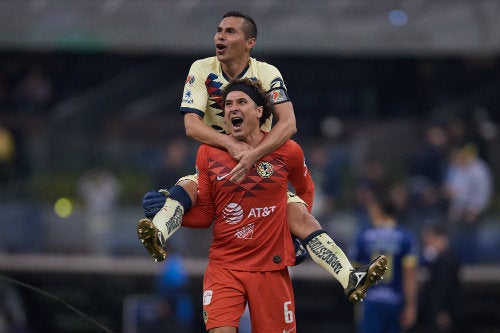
{"x": 290, "y": 330}
{"x": 219, "y": 177}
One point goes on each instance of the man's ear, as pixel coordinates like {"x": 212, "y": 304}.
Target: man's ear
{"x": 261, "y": 111}
{"x": 251, "y": 43}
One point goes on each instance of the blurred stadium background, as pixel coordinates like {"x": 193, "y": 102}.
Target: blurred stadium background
{"x": 89, "y": 98}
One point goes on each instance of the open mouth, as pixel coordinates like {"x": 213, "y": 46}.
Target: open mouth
{"x": 236, "y": 122}
{"x": 220, "y": 47}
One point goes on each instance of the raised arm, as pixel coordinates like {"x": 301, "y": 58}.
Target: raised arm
{"x": 198, "y": 130}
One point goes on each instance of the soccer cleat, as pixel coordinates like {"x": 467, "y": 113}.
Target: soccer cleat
{"x": 152, "y": 239}
{"x": 362, "y": 278}
{"x": 154, "y": 233}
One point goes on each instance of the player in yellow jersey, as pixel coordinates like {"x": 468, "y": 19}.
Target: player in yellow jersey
{"x": 204, "y": 121}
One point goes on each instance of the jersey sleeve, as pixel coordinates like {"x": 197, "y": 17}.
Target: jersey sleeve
{"x": 195, "y": 95}
{"x": 273, "y": 82}
{"x": 202, "y": 214}
{"x": 299, "y": 176}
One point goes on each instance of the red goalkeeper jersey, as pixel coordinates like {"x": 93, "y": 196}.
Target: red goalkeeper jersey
{"x": 250, "y": 230}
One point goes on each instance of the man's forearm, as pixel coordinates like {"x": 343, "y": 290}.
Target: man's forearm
{"x": 198, "y": 130}
{"x": 283, "y": 130}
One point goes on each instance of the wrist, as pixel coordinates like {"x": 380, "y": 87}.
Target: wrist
{"x": 257, "y": 152}
{"x": 227, "y": 142}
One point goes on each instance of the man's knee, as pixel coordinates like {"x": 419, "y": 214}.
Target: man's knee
{"x": 190, "y": 187}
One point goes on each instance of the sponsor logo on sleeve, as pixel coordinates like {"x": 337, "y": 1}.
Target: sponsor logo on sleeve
{"x": 277, "y": 96}
{"x": 190, "y": 80}
{"x": 188, "y": 97}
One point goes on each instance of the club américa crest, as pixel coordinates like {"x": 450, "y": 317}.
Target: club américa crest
{"x": 265, "y": 169}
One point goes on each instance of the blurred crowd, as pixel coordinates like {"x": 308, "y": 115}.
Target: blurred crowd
{"x": 441, "y": 166}
{"x": 442, "y": 169}
{"x": 446, "y": 178}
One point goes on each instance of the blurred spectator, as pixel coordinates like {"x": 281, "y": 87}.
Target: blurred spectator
{"x": 426, "y": 171}
{"x": 468, "y": 185}
{"x": 468, "y": 188}
{"x": 487, "y": 133}
{"x": 175, "y": 312}
{"x": 429, "y": 208}
{"x": 175, "y": 162}
{"x": 372, "y": 174}
{"x": 169, "y": 308}
{"x": 12, "y": 314}
{"x": 441, "y": 291}
{"x": 463, "y": 130}
{"x": 390, "y": 305}
{"x": 100, "y": 190}
{"x": 324, "y": 176}
{"x": 429, "y": 162}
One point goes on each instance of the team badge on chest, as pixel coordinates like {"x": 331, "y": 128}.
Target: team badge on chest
{"x": 265, "y": 169}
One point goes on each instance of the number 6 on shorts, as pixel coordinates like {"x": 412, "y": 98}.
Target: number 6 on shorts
{"x": 288, "y": 312}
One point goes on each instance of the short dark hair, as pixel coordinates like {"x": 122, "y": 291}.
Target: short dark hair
{"x": 249, "y": 26}
{"x": 256, "y": 85}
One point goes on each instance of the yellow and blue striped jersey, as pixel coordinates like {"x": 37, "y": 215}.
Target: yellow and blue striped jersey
{"x": 202, "y": 90}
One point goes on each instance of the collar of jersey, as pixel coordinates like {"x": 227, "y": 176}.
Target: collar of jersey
{"x": 239, "y": 75}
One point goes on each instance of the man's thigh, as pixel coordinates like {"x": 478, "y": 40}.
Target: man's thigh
{"x": 271, "y": 301}
{"x": 224, "y": 298}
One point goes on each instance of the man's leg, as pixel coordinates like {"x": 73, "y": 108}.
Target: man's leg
{"x": 328, "y": 255}
{"x": 191, "y": 188}
{"x": 304, "y": 226}
{"x": 164, "y": 210}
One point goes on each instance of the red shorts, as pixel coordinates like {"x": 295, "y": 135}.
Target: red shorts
{"x": 269, "y": 295}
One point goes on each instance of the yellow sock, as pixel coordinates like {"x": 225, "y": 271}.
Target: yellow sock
{"x": 328, "y": 255}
